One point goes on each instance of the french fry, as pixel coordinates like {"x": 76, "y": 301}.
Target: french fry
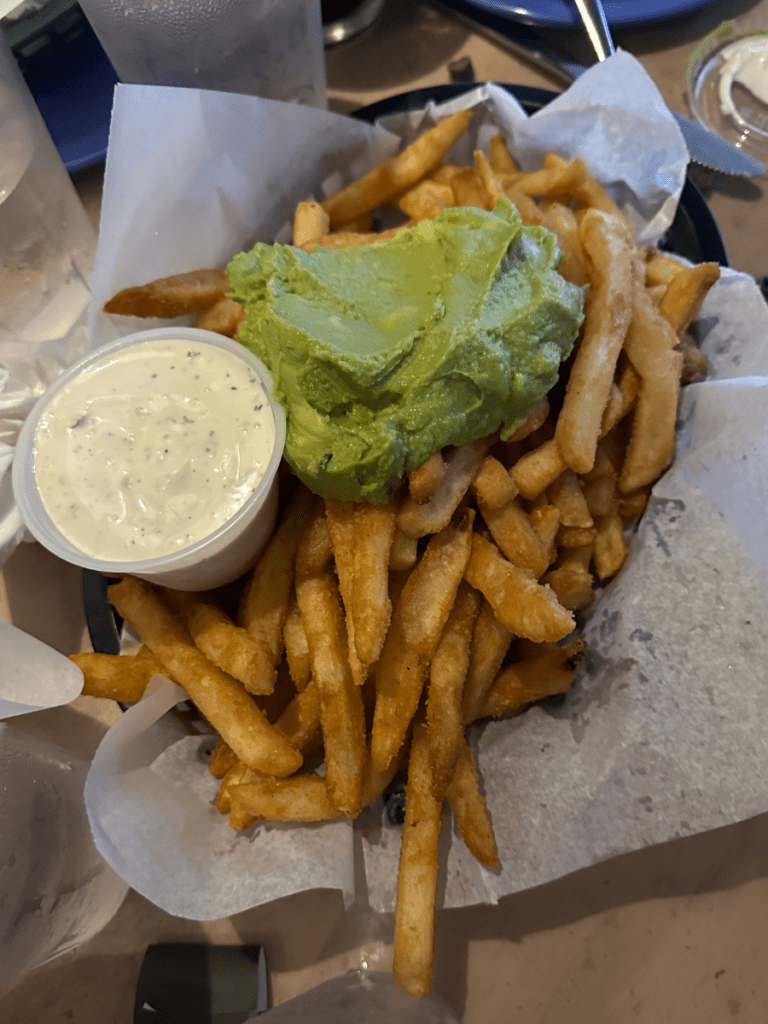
{"x": 340, "y": 516}
{"x": 264, "y": 604}
{"x": 493, "y": 485}
{"x": 487, "y": 176}
{"x": 295, "y": 645}
{"x": 116, "y": 678}
{"x": 225, "y": 644}
{"x": 219, "y": 697}
{"x": 545, "y": 519}
{"x": 371, "y": 607}
{"x": 685, "y": 293}
{"x": 535, "y": 421}
{"x": 300, "y": 720}
{"x": 571, "y": 579}
{"x": 398, "y": 173}
{"x": 444, "y": 693}
{"x": 499, "y": 157}
{"x": 537, "y": 469}
{"x": 403, "y": 552}
{"x": 515, "y": 536}
{"x": 425, "y": 481}
{"x": 524, "y": 606}
{"x": 310, "y": 223}
{"x": 299, "y": 798}
{"x": 172, "y": 296}
{"x": 651, "y": 345}
{"x": 223, "y": 317}
{"x": 426, "y": 200}
{"x": 222, "y": 759}
{"x": 432, "y": 516}
{"x": 417, "y": 622}
{"x": 610, "y": 548}
{"x": 470, "y": 810}
{"x": 414, "y": 945}
{"x": 546, "y": 673}
{"x": 608, "y": 243}
{"x": 566, "y": 494}
{"x": 490, "y": 643}
{"x": 341, "y": 705}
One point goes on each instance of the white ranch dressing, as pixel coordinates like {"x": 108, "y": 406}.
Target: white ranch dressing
{"x": 745, "y": 62}
{"x": 153, "y": 448}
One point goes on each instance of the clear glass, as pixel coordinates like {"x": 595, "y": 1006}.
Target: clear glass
{"x": 56, "y": 891}
{"x": 727, "y": 82}
{"x": 270, "y": 48}
{"x": 47, "y": 243}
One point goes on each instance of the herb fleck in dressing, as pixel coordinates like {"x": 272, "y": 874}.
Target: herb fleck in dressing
{"x": 153, "y": 449}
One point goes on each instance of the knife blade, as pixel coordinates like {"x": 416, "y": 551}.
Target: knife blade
{"x": 704, "y": 147}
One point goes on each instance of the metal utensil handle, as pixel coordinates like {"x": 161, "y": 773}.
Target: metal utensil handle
{"x": 596, "y": 24}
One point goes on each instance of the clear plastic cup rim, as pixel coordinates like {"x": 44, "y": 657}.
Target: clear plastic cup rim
{"x": 35, "y": 515}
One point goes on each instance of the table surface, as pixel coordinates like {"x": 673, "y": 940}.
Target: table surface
{"x": 671, "y": 933}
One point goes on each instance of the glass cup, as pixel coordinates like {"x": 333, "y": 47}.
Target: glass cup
{"x": 56, "y": 890}
{"x": 47, "y": 243}
{"x": 727, "y": 82}
{"x": 270, "y": 48}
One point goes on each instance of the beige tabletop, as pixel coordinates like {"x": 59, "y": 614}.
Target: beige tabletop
{"x": 671, "y": 933}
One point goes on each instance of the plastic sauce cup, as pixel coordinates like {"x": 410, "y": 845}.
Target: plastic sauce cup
{"x": 216, "y": 559}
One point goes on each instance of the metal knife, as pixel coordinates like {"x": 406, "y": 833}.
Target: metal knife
{"x": 704, "y": 147}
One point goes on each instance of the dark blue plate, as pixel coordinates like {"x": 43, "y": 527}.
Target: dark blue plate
{"x": 563, "y": 13}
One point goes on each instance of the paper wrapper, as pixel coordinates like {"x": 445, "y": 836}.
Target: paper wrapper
{"x": 662, "y": 734}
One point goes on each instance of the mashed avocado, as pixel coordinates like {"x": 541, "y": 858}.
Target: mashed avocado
{"x": 383, "y": 354}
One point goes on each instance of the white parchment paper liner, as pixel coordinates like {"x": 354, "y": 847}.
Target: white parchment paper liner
{"x": 662, "y": 735}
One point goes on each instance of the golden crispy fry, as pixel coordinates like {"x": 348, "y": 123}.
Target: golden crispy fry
{"x": 562, "y": 220}
{"x": 545, "y": 519}
{"x": 265, "y": 599}
{"x": 414, "y": 953}
{"x": 610, "y": 548}
{"x": 499, "y": 157}
{"x": 608, "y": 243}
{"x": 403, "y": 552}
{"x": 515, "y": 536}
{"x": 695, "y": 362}
{"x": 374, "y": 527}
{"x": 567, "y": 495}
{"x": 493, "y": 484}
{"x": 310, "y": 223}
{"x": 524, "y": 606}
{"x": 468, "y": 188}
{"x": 660, "y": 268}
{"x": 295, "y": 644}
{"x": 571, "y": 579}
{"x": 219, "y": 697}
{"x": 340, "y": 516}
{"x": 341, "y": 704}
{"x": 433, "y": 515}
{"x": 417, "y": 622}
{"x": 651, "y": 345}
{"x": 550, "y": 671}
{"x": 222, "y": 759}
{"x": 116, "y": 677}
{"x": 223, "y": 317}
{"x": 426, "y": 200}
{"x": 225, "y": 644}
{"x": 487, "y": 176}
{"x": 633, "y": 504}
{"x": 238, "y": 773}
{"x": 470, "y": 810}
{"x": 172, "y": 296}
{"x": 685, "y": 293}
{"x": 315, "y": 550}
{"x": 300, "y": 720}
{"x": 299, "y": 798}
{"x": 425, "y": 481}
{"x": 537, "y": 469}
{"x": 398, "y": 173}
{"x": 574, "y": 536}
{"x": 561, "y": 178}
{"x": 489, "y": 646}
{"x": 446, "y": 680}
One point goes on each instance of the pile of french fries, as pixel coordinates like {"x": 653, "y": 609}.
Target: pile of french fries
{"x": 369, "y": 637}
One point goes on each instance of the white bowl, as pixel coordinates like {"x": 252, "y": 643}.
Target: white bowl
{"x": 216, "y": 559}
